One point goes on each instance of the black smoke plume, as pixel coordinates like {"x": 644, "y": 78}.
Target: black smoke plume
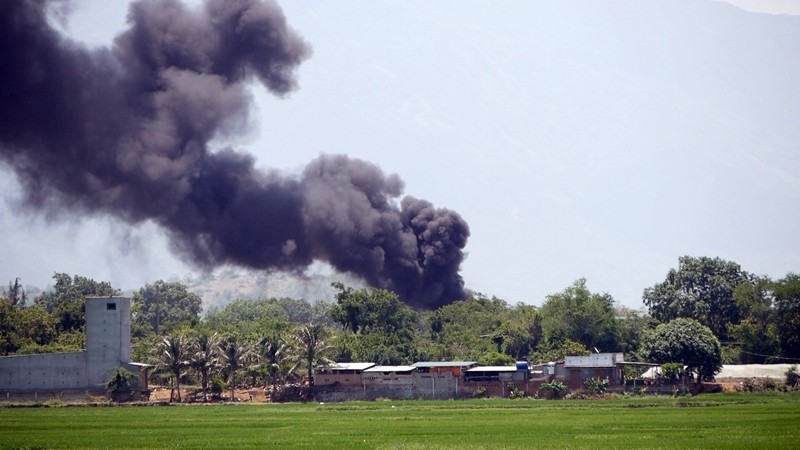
{"x": 124, "y": 131}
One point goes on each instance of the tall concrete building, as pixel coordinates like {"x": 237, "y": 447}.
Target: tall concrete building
{"x": 108, "y": 346}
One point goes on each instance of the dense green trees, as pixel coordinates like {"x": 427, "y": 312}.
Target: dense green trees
{"x": 203, "y": 358}
{"x": 685, "y": 341}
{"x": 519, "y": 335}
{"x": 163, "y": 306}
{"x": 787, "y": 306}
{"x": 757, "y": 330}
{"x": 171, "y": 356}
{"x": 16, "y": 293}
{"x": 376, "y": 325}
{"x": 26, "y": 330}
{"x": 56, "y": 320}
{"x": 234, "y": 355}
{"x": 582, "y": 316}
{"x": 67, "y": 299}
{"x": 701, "y": 289}
{"x": 273, "y": 351}
{"x": 759, "y": 315}
{"x": 463, "y": 330}
{"x": 311, "y": 347}
{"x": 758, "y": 320}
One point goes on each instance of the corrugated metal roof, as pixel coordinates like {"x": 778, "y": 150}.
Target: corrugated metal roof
{"x": 445, "y": 363}
{"x": 593, "y": 360}
{"x": 493, "y": 369}
{"x": 390, "y": 369}
{"x": 348, "y": 366}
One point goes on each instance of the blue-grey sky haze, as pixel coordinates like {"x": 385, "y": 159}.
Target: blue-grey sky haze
{"x": 581, "y": 139}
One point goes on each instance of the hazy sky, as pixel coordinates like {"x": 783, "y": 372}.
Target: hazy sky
{"x": 577, "y": 140}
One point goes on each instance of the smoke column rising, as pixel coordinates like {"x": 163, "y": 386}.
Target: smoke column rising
{"x": 125, "y": 130}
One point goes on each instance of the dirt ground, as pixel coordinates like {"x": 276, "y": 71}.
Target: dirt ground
{"x": 161, "y": 394}
{"x": 729, "y": 385}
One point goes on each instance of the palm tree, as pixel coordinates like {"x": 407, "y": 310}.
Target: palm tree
{"x": 171, "y": 356}
{"x": 311, "y": 346}
{"x": 272, "y": 352}
{"x": 233, "y": 355}
{"x": 203, "y": 359}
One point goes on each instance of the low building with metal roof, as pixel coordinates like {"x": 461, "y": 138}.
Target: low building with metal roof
{"x": 456, "y": 368}
{"x": 345, "y": 374}
{"x": 389, "y": 376}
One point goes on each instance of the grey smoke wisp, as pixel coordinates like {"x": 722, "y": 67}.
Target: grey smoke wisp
{"x": 125, "y": 131}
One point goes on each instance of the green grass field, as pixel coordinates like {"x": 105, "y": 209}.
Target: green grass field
{"x": 706, "y": 421}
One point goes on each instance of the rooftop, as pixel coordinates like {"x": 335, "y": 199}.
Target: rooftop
{"x": 493, "y": 369}
{"x": 348, "y": 366}
{"x": 389, "y": 369}
{"x": 445, "y": 364}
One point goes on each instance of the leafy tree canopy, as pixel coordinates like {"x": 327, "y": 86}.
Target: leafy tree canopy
{"x": 686, "y": 341}
{"x": 383, "y": 327}
{"x": 579, "y": 315}
{"x": 464, "y": 329}
{"x": 631, "y": 327}
{"x": 164, "y": 306}
{"x": 519, "y": 335}
{"x": 363, "y": 311}
{"x": 757, "y": 330}
{"x": 787, "y": 305}
{"x": 66, "y": 301}
{"x": 16, "y": 293}
{"x": 69, "y": 289}
{"x": 558, "y": 351}
{"x": 701, "y": 289}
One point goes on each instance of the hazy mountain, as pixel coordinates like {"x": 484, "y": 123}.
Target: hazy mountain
{"x": 217, "y": 290}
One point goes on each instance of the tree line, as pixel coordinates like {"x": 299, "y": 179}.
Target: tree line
{"x": 707, "y": 311}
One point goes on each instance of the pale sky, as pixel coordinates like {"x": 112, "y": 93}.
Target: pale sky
{"x": 578, "y": 139}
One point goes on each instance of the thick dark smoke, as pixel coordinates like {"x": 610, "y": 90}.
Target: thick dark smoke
{"x": 125, "y": 130}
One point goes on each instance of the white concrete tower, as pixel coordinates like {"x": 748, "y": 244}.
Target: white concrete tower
{"x": 108, "y": 336}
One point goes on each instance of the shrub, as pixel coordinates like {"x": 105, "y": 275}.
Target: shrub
{"x": 217, "y": 386}
{"x": 121, "y": 384}
{"x": 671, "y": 371}
{"x": 514, "y": 391}
{"x": 479, "y": 393}
{"x": 554, "y": 389}
{"x": 757, "y": 385}
{"x": 596, "y": 385}
{"x": 54, "y": 402}
{"x": 792, "y": 377}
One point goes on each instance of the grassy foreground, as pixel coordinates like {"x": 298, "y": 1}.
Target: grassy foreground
{"x": 706, "y": 421}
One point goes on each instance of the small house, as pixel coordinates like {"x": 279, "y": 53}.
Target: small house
{"x": 578, "y": 369}
{"x": 344, "y": 374}
{"x": 492, "y": 373}
{"x": 389, "y": 376}
{"x": 455, "y": 368}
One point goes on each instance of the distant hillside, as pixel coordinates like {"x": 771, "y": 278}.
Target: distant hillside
{"x": 219, "y": 289}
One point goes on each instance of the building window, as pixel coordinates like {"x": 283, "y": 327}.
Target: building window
{"x": 111, "y": 306}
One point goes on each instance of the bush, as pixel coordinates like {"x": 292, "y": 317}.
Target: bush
{"x": 54, "y": 402}
{"x": 554, "y": 389}
{"x": 757, "y": 385}
{"x": 792, "y": 377}
{"x": 514, "y": 391}
{"x": 671, "y": 371}
{"x": 479, "y": 393}
{"x": 217, "y": 386}
{"x": 121, "y": 384}
{"x": 596, "y": 385}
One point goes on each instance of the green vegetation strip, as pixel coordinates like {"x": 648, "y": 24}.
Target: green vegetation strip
{"x": 706, "y": 421}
